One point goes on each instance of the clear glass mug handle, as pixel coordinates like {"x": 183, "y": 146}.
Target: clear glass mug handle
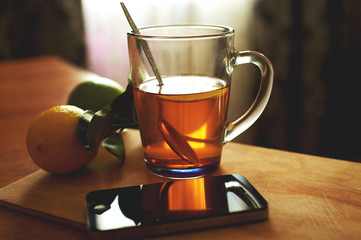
{"x": 233, "y": 129}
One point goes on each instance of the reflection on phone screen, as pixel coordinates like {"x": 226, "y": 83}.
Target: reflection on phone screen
{"x": 173, "y": 201}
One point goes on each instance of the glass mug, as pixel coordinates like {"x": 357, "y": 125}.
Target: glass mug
{"x": 182, "y": 117}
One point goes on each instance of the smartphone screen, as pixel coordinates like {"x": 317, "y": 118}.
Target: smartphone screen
{"x": 175, "y": 206}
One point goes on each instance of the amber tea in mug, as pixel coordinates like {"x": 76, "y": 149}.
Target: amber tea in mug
{"x": 196, "y": 115}
{"x": 183, "y": 118}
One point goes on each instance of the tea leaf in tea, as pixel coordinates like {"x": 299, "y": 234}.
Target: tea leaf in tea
{"x": 177, "y": 142}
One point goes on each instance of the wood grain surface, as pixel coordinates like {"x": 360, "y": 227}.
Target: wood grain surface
{"x": 309, "y": 197}
{"x": 306, "y": 194}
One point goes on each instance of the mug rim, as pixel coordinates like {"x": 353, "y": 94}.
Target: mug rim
{"x": 225, "y": 31}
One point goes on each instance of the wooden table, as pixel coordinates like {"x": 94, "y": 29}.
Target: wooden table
{"x": 309, "y": 197}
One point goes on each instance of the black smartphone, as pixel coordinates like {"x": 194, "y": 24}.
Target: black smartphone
{"x": 174, "y": 206}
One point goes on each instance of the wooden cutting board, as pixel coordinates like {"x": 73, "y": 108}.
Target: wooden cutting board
{"x": 298, "y": 187}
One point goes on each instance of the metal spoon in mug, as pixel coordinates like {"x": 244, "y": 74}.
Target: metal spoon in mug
{"x": 144, "y": 46}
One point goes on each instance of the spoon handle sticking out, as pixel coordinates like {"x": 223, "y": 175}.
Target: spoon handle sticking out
{"x": 144, "y": 44}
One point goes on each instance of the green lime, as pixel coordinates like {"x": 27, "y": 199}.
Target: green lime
{"x": 95, "y": 94}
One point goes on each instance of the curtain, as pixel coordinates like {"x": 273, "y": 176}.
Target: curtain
{"x": 315, "y": 48}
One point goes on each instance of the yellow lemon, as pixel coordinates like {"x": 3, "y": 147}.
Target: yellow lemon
{"x": 53, "y": 142}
